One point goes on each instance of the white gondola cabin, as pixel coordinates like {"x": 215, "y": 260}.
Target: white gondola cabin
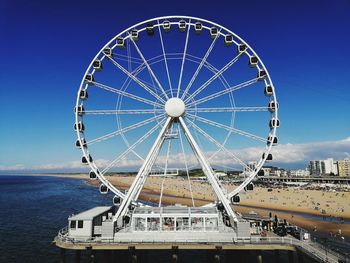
{"x": 79, "y": 126}
{"x": 213, "y": 32}
{"x": 79, "y": 110}
{"x": 166, "y": 26}
{"x": 92, "y": 175}
{"x": 85, "y": 159}
{"x": 182, "y": 25}
{"x": 198, "y": 27}
{"x": 89, "y": 78}
{"x": 268, "y": 91}
{"x": 268, "y": 157}
{"x": 150, "y": 29}
{"x": 274, "y": 123}
{"x": 83, "y": 94}
{"x": 261, "y": 74}
{"x": 228, "y": 40}
{"x": 235, "y": 199}
{"x": 79, "y": 144}
{"x": 273, "y": 106}
{"x": 242, "y": 48}
{"x": 272, "y": 140}
{"x": 97, "y": 65}
{"x": 116, "y": 200}
{"x": 120, "y": 42}
{"x": 104, "y": 189}
{"x": 253, "y": 61}
{"x": 107, "y": 51}
{"x": 134, "y": 35}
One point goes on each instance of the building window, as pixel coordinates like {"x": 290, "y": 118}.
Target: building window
{"x": 80, "y": 224}
{"x": 73, "y": 224}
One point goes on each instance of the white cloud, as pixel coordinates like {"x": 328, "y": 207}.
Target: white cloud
{"x": 285, "y": 155}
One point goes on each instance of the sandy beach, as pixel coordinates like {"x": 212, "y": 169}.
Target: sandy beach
{"x": 329, "y": 206}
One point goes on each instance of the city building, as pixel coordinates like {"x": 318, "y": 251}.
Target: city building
{"x": 344, "y": 167}
{"x": 323, "y": 167}
{"x": 299, "y": 173}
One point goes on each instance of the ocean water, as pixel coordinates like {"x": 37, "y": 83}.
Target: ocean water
{"x": 34, "y": 208}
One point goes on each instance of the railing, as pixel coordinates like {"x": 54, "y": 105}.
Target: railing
{"x": 308, "y": 247}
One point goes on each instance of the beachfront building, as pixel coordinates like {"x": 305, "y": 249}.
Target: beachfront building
{"x": 299, "y": 173}
{"x": 95, "y": 222}
{"x": 274, "y": 171}
{"x": 323, "y": 167}
{"x": 343, "y": 167}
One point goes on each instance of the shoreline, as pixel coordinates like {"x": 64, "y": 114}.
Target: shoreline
{"x": 174, "y": 194}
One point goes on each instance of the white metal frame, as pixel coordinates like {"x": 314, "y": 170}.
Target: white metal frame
{"x": 161, "y": 96}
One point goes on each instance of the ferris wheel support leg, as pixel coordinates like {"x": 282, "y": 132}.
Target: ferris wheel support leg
{"x": 141, "y": 176}
{"x": 208, "y": 171}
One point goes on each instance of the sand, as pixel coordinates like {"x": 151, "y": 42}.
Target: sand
{"x": 331, "y": 207}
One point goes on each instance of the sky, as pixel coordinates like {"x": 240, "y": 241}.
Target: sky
{"x": 47, "y": 46}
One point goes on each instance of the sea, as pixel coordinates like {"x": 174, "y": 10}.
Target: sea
{"x": 34, "y": 208}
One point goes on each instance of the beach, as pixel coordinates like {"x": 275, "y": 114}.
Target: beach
{"x": 328, "y": 207}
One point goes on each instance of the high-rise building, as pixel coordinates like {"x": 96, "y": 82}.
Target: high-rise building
{"x": 323, "y": 167}
{"x": 344, "y": 167}
{"x": 330, "y": 166}
{"x": 316, "y": 167}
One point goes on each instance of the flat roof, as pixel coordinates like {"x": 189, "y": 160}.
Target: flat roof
{"x": 175, "y": 210}
{"x": 91, "y": 213}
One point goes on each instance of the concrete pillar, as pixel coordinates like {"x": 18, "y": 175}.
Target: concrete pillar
{"x": 92, "y": 256}
{"x": 259, "y": 258}
{"x": 174, "y": 254}
{"x": 217, "y": 256}
{"x": 133, "y": 256}
{"x": 77, "y": 256}
{"x": 63, "y": 255}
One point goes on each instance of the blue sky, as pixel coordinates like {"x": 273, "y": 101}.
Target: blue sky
{"x": 47, "y": 45}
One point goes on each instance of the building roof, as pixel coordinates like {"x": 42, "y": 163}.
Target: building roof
{"x": 91, "y": 213}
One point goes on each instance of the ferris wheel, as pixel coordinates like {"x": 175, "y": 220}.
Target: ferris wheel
{"x": 171, "y": 95}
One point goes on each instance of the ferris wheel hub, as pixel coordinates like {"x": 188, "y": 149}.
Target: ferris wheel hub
{"x": 175, "y": 107}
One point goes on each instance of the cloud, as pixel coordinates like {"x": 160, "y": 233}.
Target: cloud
{"x": 284, "y": 155}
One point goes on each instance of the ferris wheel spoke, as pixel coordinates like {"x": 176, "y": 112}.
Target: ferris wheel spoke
{"x": 223, "y": 92}
{"x": 137, "y": 80}
{"x": 229, "y": 128}
{"x": 219, "y": 145}
{"x": 229, "y": 109}
{"x": 204, "y": 59}
{"x": 165, "y": 60}
{"x": 214, "y": 77}
{"x": 131, "y": 148}
{"x": 183, "y": 58}
{"x": 186, "y": 167}
{"x": 149, "y": 69}
{"x": 115, "y": 112}
{"x": 126, "y": 129}
{"x": 126, "y": 58}
{"x": 126, "y": 94}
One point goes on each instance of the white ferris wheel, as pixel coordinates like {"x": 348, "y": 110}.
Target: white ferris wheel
{"x": 173, "y": 94}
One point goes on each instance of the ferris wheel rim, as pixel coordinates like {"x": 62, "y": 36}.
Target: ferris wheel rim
{"x": 272, "y": 132}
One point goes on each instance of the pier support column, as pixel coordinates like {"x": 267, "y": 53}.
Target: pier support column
{"x": 276, "y": 257}
{"x": 217, "y": 256}
{"x": 259, "y": 258}
{"x": 63, "y": 255}
{"x": 77, "y": 256}
{"x": 92, "y": 256}
{"x": 174, "y": 254}
{"x": 132, "y": 255}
